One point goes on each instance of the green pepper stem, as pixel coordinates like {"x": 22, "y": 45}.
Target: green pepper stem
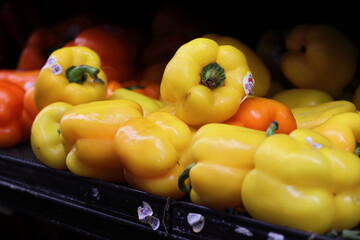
{"x": 357, "y": 149}
{"x": 274, "y": 125}
{"x": 133, "y": 87}
{"x": 77, "y": 74}
{"x": 344, "y": 234}
{"x": 183, "y": 176}
{"x": 350, "y": 234}
{"x": 213, "y": 75}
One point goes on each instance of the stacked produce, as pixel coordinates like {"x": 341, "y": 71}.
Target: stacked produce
{"x": 214, "y": 120}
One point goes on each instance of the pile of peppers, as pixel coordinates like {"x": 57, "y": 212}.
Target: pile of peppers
{"x": 201, "y": 124}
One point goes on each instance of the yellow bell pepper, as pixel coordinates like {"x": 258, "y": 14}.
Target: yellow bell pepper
{"x": 147, "y": 103}
{"x": 301, "y": 97}
{"x": 221, "y": 155}
{"x": 45, "y": 137}
{"x": 150, "y": 149}
{"x": 343, "y": 130}
{"x": 71, "y": 75}
{"x": 206, "y": 82}
{"x": 320, "y": 57}
{"x": 88, "y": 131}
{"x": 312, "y": 116}
{"x": 258, "y": 68}
{"x": 303, "y": 182}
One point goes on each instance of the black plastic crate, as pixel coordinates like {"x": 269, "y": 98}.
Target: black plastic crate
{"x": 107, "y": 210}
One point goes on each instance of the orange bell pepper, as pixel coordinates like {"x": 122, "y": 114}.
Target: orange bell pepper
{"x": 15, "y": 123}
{"x": 25, "y": 79}
{"x": 29, "y": 103}
{"x": 259, "y": 112}
{"x": 17, "y": 105}
{"x": 114, "y": 46}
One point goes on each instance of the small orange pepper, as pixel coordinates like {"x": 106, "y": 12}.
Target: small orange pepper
{"x": 259, "y": 112}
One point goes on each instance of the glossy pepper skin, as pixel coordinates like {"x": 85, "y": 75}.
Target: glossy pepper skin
{"x": 301, "y": 97}
{"x": 221, "y": 156}
{"x": 13, "y": 118}
{"x": 312, "y": 116}
{"x": 160, "y": 138}
{"x": 259, "y": 112}
{"x": 302, "y": 181}
{"x": 343, "y": 130}
{"x": 319, "y": 56}
{"x": 206, "y": 82}
{"x": 73, "y": 75}
{"x": 87, "y": 133}
{"x": 45, "y": 137}
{"x": 258, "y": 68}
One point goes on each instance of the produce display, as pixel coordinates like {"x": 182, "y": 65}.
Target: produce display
{"x": 197, "y": 114}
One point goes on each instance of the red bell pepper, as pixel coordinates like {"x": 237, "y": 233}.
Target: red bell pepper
{"x": 39, "y": 45}
{"x": 43, "y": 41}
{"x": 114, "y": 46}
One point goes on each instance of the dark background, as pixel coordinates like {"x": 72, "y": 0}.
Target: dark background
{"x": 245, "y": 19}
